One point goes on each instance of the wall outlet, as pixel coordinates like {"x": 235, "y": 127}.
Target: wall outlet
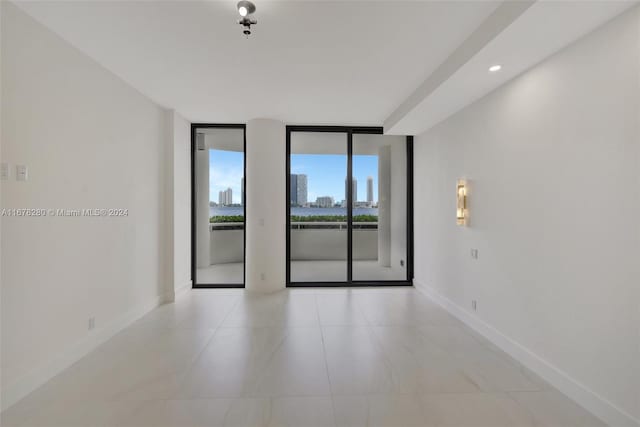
{"x": 474, "y": 305}
{"x": 92, "y": 323}
{"x": 474, "y": 253}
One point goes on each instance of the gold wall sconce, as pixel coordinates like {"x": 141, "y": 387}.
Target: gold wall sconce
{"x": 462, "y": 209}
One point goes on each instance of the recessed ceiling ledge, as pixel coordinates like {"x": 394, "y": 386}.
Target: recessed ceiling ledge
{"x": 507, "y": 13}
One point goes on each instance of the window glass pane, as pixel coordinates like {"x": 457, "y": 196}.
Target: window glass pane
{"x": 219, "y": 173}
{"x": 318, "y": 207}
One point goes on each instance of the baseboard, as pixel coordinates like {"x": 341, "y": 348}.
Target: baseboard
{"x": 34, "y": 379}
{"x": 182, "y": 290}
{"x": 596, "y": 404}
{"x": 174, "y": 294}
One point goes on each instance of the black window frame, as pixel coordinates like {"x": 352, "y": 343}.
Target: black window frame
{"x": 349, "y": 131}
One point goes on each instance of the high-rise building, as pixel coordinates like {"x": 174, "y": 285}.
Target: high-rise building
{"x": 370, "y": 189}
{"x": 324, "y": 202}
{"x": 242, "y": 191}
{"x": 301, "y": 189}
{"x": 293, "y": 190}
{"x": 228, "y": 196}
{"x": 225, "y": 197}
{"x": 354, "y": 189}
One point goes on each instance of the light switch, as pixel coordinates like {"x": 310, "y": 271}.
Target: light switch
{"x": 22, "y": 173}
{"x": 4, "y": 171}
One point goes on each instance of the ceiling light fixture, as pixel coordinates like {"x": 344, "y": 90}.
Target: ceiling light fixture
{"x": 246, "y": 8}
{"x": 495, "y": 68}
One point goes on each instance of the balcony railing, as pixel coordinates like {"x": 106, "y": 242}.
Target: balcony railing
{"x": 320, "y": 225}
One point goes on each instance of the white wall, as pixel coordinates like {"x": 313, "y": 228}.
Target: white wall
{"x": 331, "y": 244}
{"x": 398, "y": 241}
{"x": 90, "y": 141}
{"x": 181, "y": 191}
{"x": 226, "y": 246}
{"x": 553, "y": 162}
{"x": 265, "y": 205}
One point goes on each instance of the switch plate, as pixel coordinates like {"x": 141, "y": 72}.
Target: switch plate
{"x": 4, "y": 171}
{"x": 474, "y": 253}
{"x": 22, "y": 173}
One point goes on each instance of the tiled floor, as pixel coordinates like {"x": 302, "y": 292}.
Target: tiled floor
{"x": 303, "y": 357}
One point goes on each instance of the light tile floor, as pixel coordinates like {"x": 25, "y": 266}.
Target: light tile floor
{"x": 301, "y": 357}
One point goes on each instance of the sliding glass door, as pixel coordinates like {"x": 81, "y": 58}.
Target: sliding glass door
{"x": 348, "y": 207}
{"x": 218, "y": 220}
{"x": 318, "y": 237}
{"x": 380, "y": 213}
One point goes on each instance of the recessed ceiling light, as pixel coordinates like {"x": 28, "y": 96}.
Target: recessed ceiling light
{"x": 495, "y": 68}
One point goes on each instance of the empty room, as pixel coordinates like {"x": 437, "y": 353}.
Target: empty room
{"x": 316, "y": 213}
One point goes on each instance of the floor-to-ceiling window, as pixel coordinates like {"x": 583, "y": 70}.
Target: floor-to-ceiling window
{"x": 348, "y": 206}
{"x": 218, "y": 205}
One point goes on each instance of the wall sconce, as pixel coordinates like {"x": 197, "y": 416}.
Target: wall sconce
{"x": 462, "y": 210}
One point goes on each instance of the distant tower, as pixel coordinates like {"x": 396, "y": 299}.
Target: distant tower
{"x": 370, "y": 189}
{"x": 293, "y": 189}
{"x": 301, "y": 190}
{"x": 354, "y": 189}
{"x": 242, "y": 191}
{"x": 228, "y": 196}
{"x": 220, "y": 198}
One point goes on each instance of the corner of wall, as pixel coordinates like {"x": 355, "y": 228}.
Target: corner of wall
{"x": 596, "y": 404}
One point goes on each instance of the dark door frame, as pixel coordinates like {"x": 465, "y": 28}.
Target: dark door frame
{"x": 350, "y": 131}
{"x": 194, "y": 128}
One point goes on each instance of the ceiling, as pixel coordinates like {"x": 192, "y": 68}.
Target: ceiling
{"x": 317, "y": 62}
{"x": 306, "y": 62}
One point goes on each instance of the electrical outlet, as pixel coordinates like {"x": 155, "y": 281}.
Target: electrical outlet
{"x": 474, "y": 253}
{"x": 92, "y": 323}
{"x": 474, "y": 305}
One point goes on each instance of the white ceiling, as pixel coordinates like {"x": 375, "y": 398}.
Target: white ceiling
{"x": 308, "y": 62}
{"x": 319, "y": 62}
{"x": 523, "y": 40}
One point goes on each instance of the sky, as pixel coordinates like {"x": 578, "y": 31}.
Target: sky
{"x": 225, "y": 170}
{"x": 325, "y": 174}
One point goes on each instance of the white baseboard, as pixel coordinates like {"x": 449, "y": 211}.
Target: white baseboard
{"x": 174, "y": 294}
{"x": 182, "y": 290}
{"x": 596, "y": 404}
{"x": 37, "y": 377}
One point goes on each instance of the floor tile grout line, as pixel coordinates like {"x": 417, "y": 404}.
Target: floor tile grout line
{"x": 326, "y": 364}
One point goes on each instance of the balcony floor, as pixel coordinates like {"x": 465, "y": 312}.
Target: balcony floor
{"x": 305, "y": 271}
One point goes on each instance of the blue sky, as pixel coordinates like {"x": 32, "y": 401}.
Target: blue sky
{"x": 325, "y": 174}
{"x": 225, "y": 170}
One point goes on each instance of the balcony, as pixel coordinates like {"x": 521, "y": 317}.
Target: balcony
{"x": 318, "y": 252}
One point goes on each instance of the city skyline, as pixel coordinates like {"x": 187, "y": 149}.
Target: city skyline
{"x": 325, "y": 174}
